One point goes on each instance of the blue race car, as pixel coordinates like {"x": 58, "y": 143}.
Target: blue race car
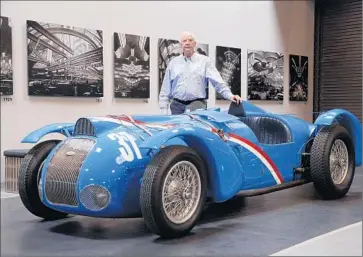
{"x": 166, "y": 168}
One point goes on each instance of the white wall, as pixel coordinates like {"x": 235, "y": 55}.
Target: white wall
{"x": 284, "y": 26}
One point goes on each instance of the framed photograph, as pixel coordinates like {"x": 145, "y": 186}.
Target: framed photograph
{"x": 6, "y": 44}
{"x": 131, "y": 66}
{"x": 64, "y": 60}
{"x": 228, "y": 63}
{"x": 298, "y": 84}
{"x": 169, "y": 49}
{"x": 265, "y": 75}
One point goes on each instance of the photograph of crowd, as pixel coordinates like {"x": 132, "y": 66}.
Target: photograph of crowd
{"x": 265, "y": 74}
{"x": 6, "y": 83}
{"x": 131, "y": 66}
{"x": 64, "y": 60}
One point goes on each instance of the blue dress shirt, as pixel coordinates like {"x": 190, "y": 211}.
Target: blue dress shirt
{"x": 187, "y": 78}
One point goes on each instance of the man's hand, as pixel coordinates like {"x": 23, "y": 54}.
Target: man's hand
{"x": 237, "y": 99}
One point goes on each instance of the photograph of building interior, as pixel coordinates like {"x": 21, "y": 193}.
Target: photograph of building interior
{"x": 64, "y": 60}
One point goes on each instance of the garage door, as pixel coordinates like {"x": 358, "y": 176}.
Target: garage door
{"x": 338, "y": 53}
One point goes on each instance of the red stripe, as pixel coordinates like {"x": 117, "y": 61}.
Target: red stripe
{"x": 127, "y": 119}
{"x": 122, "y": 118}
{"x": 259, "y": 150}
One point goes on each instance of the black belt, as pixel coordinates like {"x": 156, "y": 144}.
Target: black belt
{"x": 188, "y": 102}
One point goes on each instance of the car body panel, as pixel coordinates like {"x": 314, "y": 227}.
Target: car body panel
{"x": 236, "y": 159}
{"x": 65, "y": 129}
{"x": 349, "y": 121}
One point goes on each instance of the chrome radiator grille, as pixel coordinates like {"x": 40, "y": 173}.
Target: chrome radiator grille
{"x": 62, "y": 174}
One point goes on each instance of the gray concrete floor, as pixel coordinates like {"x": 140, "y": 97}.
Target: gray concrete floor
{"x": 289, "y": 222}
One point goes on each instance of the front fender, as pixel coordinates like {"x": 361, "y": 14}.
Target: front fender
{"x": 65, "y": 129}
{"x": 350, "y": 122}
{"x": 225, "y": 172}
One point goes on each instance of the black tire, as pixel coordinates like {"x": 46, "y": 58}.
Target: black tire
{"x": 321, "y": 171}
{"x": 28, "y": 181}
{"x": 151, "y": 202}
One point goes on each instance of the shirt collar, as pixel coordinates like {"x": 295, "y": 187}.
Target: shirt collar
{"x": 191, "y": 58}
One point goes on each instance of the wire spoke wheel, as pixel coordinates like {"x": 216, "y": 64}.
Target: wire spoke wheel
{"x": 332, "y": 162}
{"x": 181, "y": 192}
{"x": 173, "y": 191}
{"x": 339, "y": 160}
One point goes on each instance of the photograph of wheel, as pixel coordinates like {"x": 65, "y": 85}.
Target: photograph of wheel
{"x": 29, "y": 177}
{"x": 332, "y": 162}
{"x": 173, "y": 191}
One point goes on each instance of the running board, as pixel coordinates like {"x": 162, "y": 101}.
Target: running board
{"x": 262, "y": 191}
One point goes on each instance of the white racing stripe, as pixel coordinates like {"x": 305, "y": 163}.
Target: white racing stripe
{"x": 253, "y": 149}
{"x": 121, "y": 122}
{"x": 258, "y": 152}
{"x": 129, "y": 123}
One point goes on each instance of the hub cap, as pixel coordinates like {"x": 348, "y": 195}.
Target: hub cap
{"x": 339, "y": 160}
{"x": 181, "y": 192}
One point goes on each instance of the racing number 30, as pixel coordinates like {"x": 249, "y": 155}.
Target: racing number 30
{"x": 125, "y": 150}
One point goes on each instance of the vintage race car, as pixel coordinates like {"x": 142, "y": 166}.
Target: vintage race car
{"x": 165, "y": 168}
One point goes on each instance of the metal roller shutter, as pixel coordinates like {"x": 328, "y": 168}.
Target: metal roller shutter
{"x": 338, "y": 56}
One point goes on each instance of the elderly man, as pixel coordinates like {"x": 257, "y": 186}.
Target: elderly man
{"x": 187, "y": 77}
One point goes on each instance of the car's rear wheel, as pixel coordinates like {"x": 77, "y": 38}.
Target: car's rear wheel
{"x": 173, "y": 191}
{"x": 332, "y": 162}
{"x": 29, "y": 177}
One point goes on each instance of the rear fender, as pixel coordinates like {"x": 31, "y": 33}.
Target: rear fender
{"x": 225, "y": 173}
{"x": 65, "y": 129}
{"x": 347, "y": 120}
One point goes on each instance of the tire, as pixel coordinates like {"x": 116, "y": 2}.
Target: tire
{"x": 29, "y": 175}
{"x": 322, "y": 170}
{"x": 151, "y": 196}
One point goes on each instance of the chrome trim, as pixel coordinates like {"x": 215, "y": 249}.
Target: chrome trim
{"x": 61, "y": 178}
{"x": 88, "y": 199}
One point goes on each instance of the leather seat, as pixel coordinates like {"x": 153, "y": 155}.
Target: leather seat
{"x": 268, "y": 130}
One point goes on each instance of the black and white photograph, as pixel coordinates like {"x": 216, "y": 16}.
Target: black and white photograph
{"x": 131, "y": 66}
{"x": 6, "y": 86}
{"x": 265, "y": 75}
{"x": 228, "y": 63}
{"x": 64, "y": 60}
{"x": 298, "y": 84}
{"x": 170, "y": 48}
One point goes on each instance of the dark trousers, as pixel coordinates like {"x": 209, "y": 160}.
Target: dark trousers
{"x": 180, "y": 108}
{"x": 177, "y": 108}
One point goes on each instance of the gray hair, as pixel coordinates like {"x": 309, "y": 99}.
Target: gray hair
{"x": 187, "y": 34}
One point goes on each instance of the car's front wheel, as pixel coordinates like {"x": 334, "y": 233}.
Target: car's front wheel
{"x": 173, "y": 191}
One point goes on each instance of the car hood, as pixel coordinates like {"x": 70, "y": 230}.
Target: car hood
{"x": 147, "y": 125}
